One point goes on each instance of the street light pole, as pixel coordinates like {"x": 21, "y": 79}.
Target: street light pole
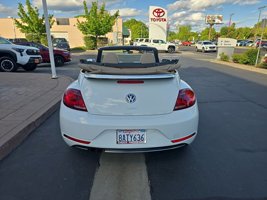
{"x": 230, "y": 21}
{"x": 257, "y": 58}
{"x": 260, "y": 9}
{"x": 263, "y": 25}
{"x": 48, "y": 35}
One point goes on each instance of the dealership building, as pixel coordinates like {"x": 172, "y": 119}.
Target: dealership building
{"x": 67, "y": 28}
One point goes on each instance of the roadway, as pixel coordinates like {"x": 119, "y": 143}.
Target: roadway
{"x": 226, "y": 161}
{"x": 238, "y": 50}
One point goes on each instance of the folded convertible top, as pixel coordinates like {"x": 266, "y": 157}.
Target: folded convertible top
{"x": 119, "y": 70}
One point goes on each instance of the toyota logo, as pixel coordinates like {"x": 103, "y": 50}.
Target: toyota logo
{"x": 158, "y": 12}
{"x": 130, "y": 98}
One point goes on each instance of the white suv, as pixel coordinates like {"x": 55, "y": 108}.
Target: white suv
{"x": 160, "y": 45}
{"x": 13, "y": 56}
{"x": 205, "y": 46}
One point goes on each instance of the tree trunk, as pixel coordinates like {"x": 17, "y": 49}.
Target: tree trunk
{"x": 96, "y": 38}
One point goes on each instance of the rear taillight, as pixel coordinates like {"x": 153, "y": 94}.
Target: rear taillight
{"x": 186, "y": 99}
{"x": 73, "y": 99}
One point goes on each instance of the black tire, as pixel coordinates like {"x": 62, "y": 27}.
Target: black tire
{"x": 171, "y": 50}
{"x": 59, "y": 61}
{"x": 29, "y": 67}
{"x": 203, "y": 50}
{"x": 8, "y": 64}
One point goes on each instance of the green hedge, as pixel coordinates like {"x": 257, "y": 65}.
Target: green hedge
{"x": 251, "y": 56}
{"x": 89, "y": 42}
{"x": 247, "y": 58}
{"x": 224, "y": 57}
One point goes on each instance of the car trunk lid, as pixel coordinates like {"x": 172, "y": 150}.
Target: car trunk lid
{"x": 130, "y": 94}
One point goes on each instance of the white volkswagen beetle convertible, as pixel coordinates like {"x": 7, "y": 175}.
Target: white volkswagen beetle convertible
{"x": 128, "y": 101}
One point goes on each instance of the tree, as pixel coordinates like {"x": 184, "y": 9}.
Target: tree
{"x": 232, "y": 31}
{"x": 138, "y": 28}
{"x": 184, "y": 33}
{"x": 172, "y": 36}
{"x": 223, "y": 31}
{"x": 97, "y": 21}
{"x": 243, "y": 33}
{"x": 204, "y": 35}
{"x": 31, "y": 24}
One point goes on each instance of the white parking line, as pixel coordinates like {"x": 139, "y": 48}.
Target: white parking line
{"x": 121, "y": 177}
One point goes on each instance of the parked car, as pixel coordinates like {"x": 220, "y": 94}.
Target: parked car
{"x": 61, "y": 43}
{"x": 258, "y": 42}
{"x": 249, "y": 43}
{"x": 13, "y": 56}
{"x": 239, "y": 42}
{"x": 205, "y": 46}
{"x": 264, "y": 46}
{"x": 186, "y": 43}
{"x": 61, "y": 56}
{"x": 114, "y": 104}
{"x": 160, "y": 45}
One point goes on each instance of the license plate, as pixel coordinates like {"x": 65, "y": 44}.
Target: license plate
{"x": 36, "y": 61}
{"x": 131, "y": 136}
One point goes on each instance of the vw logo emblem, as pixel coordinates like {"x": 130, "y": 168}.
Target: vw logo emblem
{"x": 130, "y": 98}
{"x": 158, "y": 12}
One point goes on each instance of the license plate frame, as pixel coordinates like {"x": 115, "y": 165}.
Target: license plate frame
{"x": 36, "y": 61}
{"x": 131, "y": 136}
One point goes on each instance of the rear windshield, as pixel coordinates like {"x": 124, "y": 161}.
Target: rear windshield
{"x": 4, "y": 41}
{"x": 207, "y": 43}
{"x": 123, "y": 56}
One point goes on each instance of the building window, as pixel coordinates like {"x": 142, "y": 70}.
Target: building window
{"x": 63, "y": 21}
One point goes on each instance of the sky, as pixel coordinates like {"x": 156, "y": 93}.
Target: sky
{"x": 180, "y": 12}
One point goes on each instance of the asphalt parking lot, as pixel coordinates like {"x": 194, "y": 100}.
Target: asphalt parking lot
{"x": 226, "y": 161}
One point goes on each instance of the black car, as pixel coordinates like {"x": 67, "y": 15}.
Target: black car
{"x": 61, "y": 43}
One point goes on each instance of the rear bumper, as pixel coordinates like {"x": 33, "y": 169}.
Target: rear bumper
{"x": 162, "y": 131}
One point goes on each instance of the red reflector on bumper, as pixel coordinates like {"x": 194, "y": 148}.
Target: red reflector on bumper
{"x": 77, "y": 140}
{"x": 184, "y": 138}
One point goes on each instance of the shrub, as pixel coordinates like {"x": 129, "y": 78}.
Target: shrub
{"x": 89, "y": 42}
{"x": 240, "y": 58}
{"x": 224, "y": 57}
{"x": 251, "y": 56}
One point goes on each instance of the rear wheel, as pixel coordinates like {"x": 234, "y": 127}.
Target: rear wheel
{"x": 29, "y": 67}
{"x": 171, "y": 49}
{"x": 59, "y": 61}
{"x": 8, "y": 64}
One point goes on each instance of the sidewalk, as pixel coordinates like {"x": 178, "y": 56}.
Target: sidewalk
{"x": 241, "y": 66}
{"x": 26, "y": 100}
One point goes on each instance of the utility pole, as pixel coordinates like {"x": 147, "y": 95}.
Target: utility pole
{"x": 48, "y": 35}
{"x": 230, "y": 21}
{"x": 263, "y": 25}
{"x": 211, "y": 25}
{"x": 260, "y": 9}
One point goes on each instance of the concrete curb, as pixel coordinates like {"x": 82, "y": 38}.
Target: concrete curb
{"x": 240, "y": 66}
{"x": 44, "y": 107}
